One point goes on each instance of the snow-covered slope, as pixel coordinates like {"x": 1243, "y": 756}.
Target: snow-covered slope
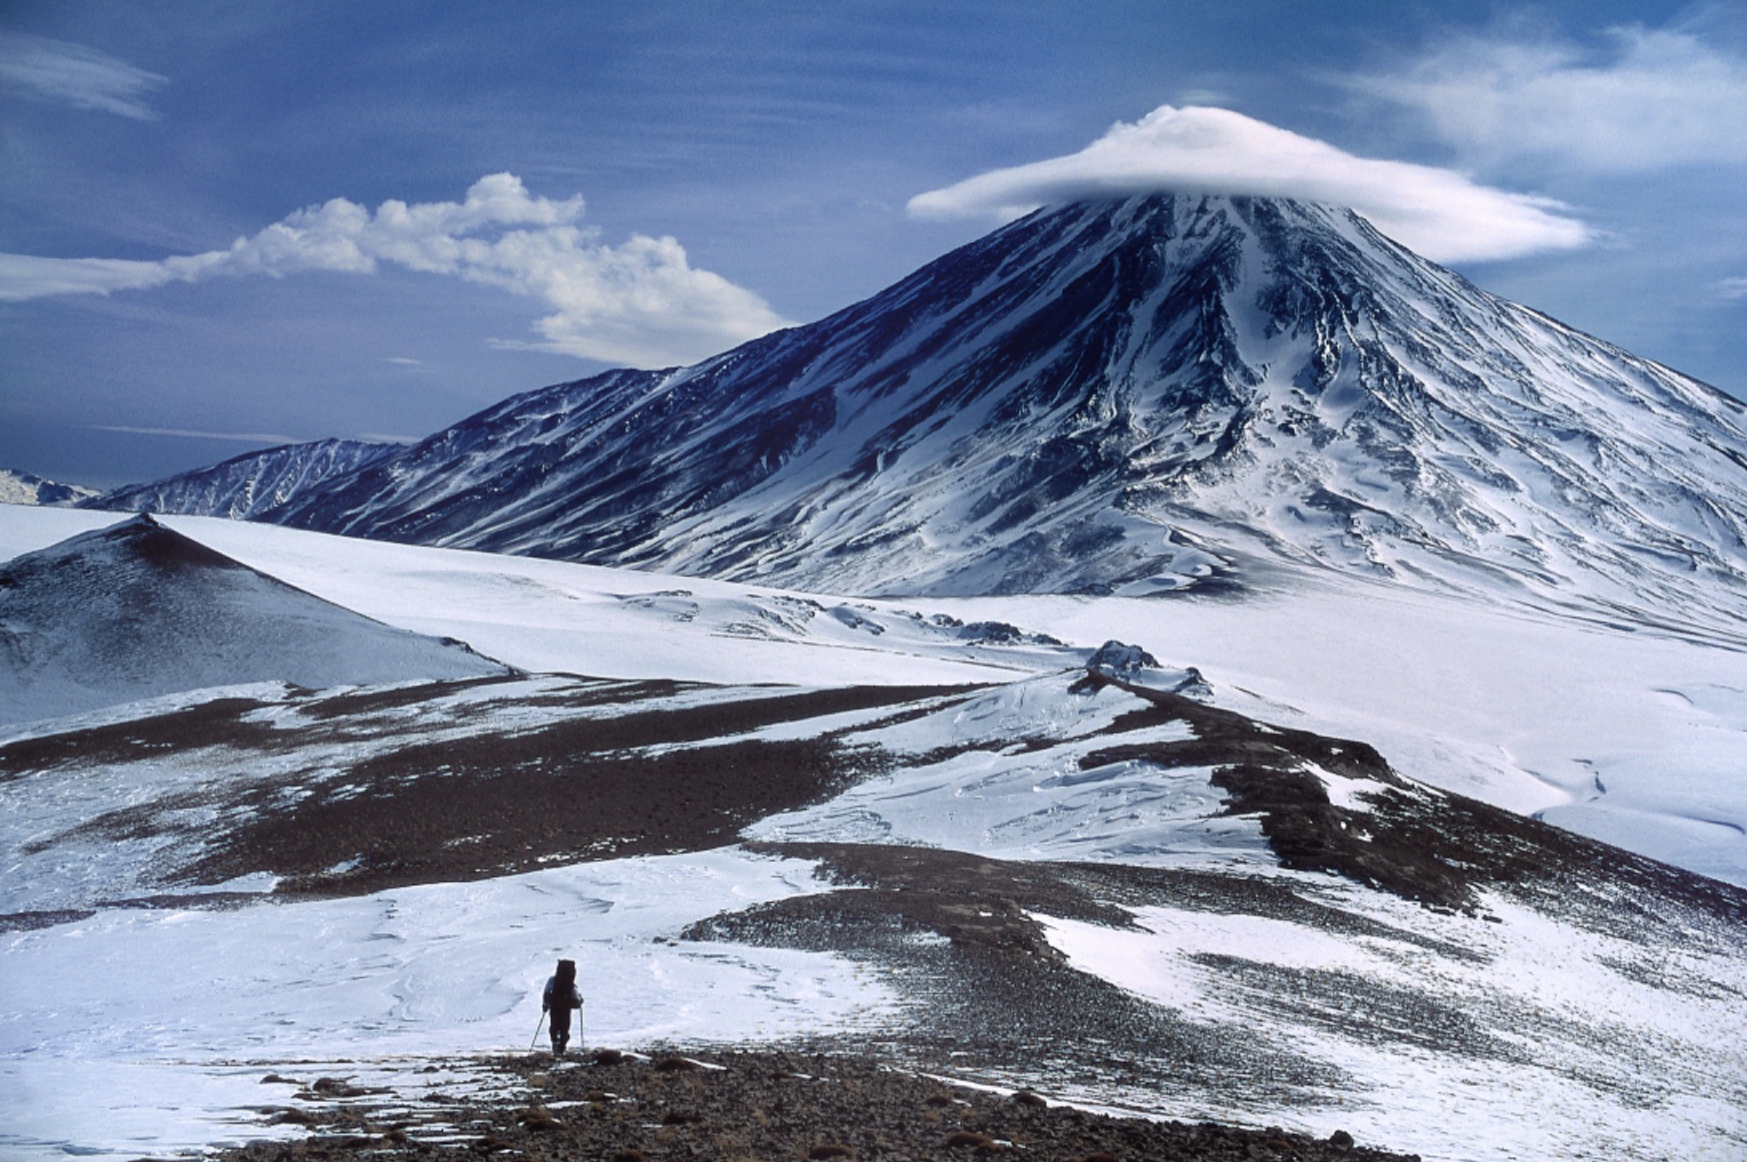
{"x": 23, "y": 488}
{"x": 1140, "y": 396}
{"x": 139, "y": 610}
{"x": 244, "y": 487}
{"x": 1628, "y": 736}
{"x": 1227, "y": 893}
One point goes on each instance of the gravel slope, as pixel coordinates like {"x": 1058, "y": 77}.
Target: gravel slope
{"x": 760, "y": 1105}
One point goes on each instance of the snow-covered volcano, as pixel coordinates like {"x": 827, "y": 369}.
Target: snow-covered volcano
{"x": 1128, "y": 396}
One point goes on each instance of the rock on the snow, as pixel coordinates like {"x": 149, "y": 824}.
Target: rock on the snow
{"x": 1114, "y": 657}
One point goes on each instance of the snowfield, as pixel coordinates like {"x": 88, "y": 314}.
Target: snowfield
{"x": 1582, "y": 1015}
{"x": 1628, "y": 733}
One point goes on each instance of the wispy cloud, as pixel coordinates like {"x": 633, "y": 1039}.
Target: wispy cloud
{"x": 1439, "y": 213}
{"x": 193, "y": 434}
{"x": 1639, "y": 99}
{"x": 27, "y": 276}
{"x": 640, "y": 303}
{"x": 71, "y": 74}
{"x": 1733, "y": 288}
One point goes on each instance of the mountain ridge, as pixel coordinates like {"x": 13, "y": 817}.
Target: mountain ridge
{"x": 250, "y": 485}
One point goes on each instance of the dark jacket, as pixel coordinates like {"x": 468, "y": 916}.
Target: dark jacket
{"x": 574, "y": 1001}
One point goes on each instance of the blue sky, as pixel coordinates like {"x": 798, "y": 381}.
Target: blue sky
{"x": 225, "y": 225}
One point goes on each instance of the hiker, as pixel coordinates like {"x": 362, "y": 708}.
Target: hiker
{"x": 559, "y": 998}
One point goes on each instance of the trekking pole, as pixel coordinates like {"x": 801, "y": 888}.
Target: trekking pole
{"x": 537, "y": 1029}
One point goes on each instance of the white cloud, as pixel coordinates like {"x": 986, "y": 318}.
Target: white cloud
{"x": 1733, "y": 288}
{"x": 1439, "y": 213}
{"x": 1642, "y": 100}
{"x": 71, "y": 74}
{"x": 640, "y": 303}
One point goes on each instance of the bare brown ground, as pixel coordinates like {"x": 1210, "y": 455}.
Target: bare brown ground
{"x": 496, "y": 804}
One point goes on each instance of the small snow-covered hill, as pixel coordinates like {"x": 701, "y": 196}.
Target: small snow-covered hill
{"x": 247, "y": 486}
{"x": 139, "y": 610}
{"x": 1163, "y": 393}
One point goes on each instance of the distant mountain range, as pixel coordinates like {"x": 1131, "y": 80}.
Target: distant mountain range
{"x": 1156, "y": 394}
{"x": 24, "y": 488}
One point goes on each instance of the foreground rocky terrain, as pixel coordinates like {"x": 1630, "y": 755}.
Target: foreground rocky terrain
{"x": 744, "y": 1105}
